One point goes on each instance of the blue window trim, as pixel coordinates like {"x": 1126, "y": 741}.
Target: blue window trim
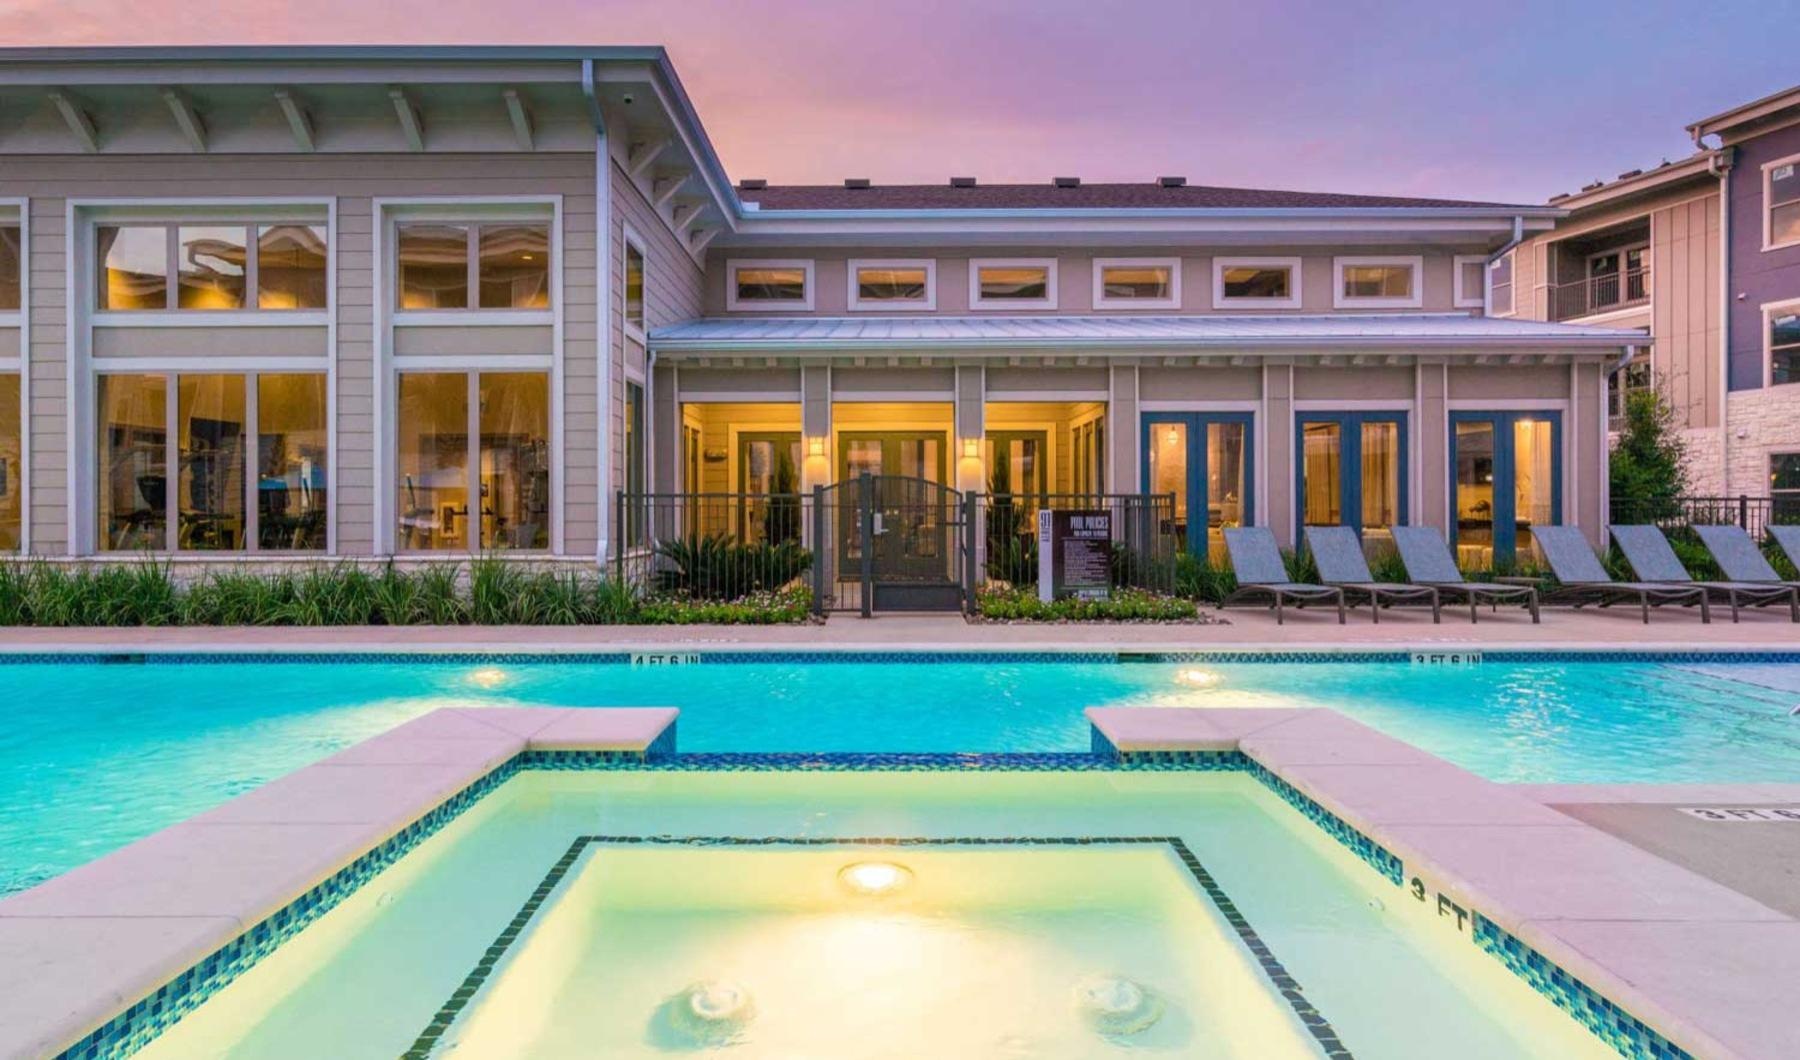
{"x": 1506, "y": 516}
{"x": 1196, "y": 423}
{"x": 1349, "y": 464}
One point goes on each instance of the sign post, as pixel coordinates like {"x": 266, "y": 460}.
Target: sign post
{"x": 1074, "y": 554}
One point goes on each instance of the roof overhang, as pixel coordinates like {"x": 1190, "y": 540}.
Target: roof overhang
{"x": 1748, "y": 119}
{"x": 1661, "y": 179}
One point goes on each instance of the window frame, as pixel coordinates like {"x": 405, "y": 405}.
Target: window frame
{"x": 632, "y": 241}
{"x": 1768, "y": 206}
{"x": 1350, "y": 490}
{"x": 1771, "y": 310}
{"x": 172, "y": 220}
{"x": 985, "y": 305}
{"x": 802, "y": 305}
{"x": 1777, "y": 495}
{"x": 1170, "y": 301}
{"x": 1460, "y": 296}
{"x": 1340, "y": 300}
{"x": 14, "y": 213}
{"x": 855, "y": 303}
{"x": 1295, "y": 292}
{"x": 475, "y": 219}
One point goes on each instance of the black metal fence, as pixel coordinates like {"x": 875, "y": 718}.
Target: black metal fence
{"x": 1751, "y": 513}
{"x": 1145, "y": 536}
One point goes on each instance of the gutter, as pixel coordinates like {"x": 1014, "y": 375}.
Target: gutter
{"x": 1720, "y": 165}
{"x": 603, "y": 300}
{"x": 1372, "y": 342}
{"x": 1487, "y": 288}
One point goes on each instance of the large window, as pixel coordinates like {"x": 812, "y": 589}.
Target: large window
{"x": 769, "y": 285}
{"x": 11, "y": 257}
{"x": 1353, "y": 472}
{"x": 481, "y": 437}
{"x": 1507, "y": 469}
{"x": 1128, "y": 283}
{"x": 892, "y": 284}
{"x": 225, "y": 425}
{"x": 1784, "y": 343}
{"x": 1256, "y": 283}
{"x": 1203, "y": 460}
{"x": 996, "y": 283}
{"x": 634, "y": 288}
{"x": 1784, "y": 487}
{"x": 491, "y": 265}
{"x": 1781, "y": 191}
{"x": 637, "y": 461}
{"x": 1378, "y": 283}
{"x": 205, "y": 267}
{"x": 12, "y": 465}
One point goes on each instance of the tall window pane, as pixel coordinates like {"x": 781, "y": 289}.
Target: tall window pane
{"x": 211, "y": 261}
{"x": 1224, "y": 485}
{"x": 290, "y": 267}
{"x": 634, "y": 287}
{"x": 10, "y": 257}
{"x": 1534, "y": 460}
{"x": 433, "y": 461}
{"x": 515, "y": 460}
{"x": 291, "y": 462}
{"x": 1475, "y": 495}
{"x": 1322, "y": 451}
{"x": 434, "y": 266}
{"x": 1784, "y": 204}
{"x": 1784, "y": 348}
{"x": 636, "y": 461}
{"x": 133, "y": 462}
{"x": 209, "y": 416}
{"x": 1169, "y": 471}
{"x": 12, "y": 468}
{"x": 515, "y": 267}
{"x": 134, "y": 267}
{"x": 1380, "y": 479}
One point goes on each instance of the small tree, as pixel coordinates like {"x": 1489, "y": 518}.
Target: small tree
{"x": 1648, "y": 469}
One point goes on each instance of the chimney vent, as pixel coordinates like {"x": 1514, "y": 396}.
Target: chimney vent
{"x": 752, "y": 184}
{"x": 1172, "y": 182}
{"x": 1067, "y": 182}
{"x": 856, "y": 183}
{"x": 962, "y": 182}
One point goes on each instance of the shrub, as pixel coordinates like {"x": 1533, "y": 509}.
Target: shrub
{"x": 717, "y": 567}
{"x": 1012, "y": 558}
{"x": 1197, "y": 579}
{"x": 1125, "y": 605}
{"x": 1647, "y": 469}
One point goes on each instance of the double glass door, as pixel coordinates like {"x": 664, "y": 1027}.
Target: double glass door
{"x": 1507, "y": 469}
{"x": 1204, "y": 460}
{"x": 911, "y": 515}
{"x": 768, "y": 485}
{"x": 1353, "y": 472}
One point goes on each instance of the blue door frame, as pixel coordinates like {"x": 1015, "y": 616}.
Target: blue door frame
{"x": 1197, "y": 499}
{"x": 1505, "y": 514}
{"x": 1349, "y": 465}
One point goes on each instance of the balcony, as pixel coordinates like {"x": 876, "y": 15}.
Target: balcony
{"x": 1600, "y": 293}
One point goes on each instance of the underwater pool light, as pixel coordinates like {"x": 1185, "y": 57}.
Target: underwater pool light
{"x": 874, "y": 879}
{"x": 488, "y": 677}
{"x": 1194, "y": 678}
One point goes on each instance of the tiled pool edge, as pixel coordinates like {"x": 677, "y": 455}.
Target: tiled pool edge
{"x": 130, "y": 1029}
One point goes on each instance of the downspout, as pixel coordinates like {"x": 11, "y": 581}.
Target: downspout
{"x": 1487, "y": 288}
{"x": 1720, "y": 165}
{"x": 603, "y": 310}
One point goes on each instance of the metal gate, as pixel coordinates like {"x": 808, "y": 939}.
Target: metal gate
{"x": 890, "y": 543}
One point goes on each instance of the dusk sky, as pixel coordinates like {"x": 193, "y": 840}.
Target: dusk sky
{"x": 1510, "y": 101}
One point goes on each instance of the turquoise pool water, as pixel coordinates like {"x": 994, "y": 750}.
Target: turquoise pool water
{"x": 95, "y": 755}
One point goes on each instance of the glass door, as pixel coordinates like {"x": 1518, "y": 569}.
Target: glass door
{"x": 1506, "y": 478}
{"x": 910, "y": 527}
{"x": 1204, "y": 460}
{"x": 1016, "y": 478}
{"x": 769, "y": 466}
{"x": 1352, "y": 472}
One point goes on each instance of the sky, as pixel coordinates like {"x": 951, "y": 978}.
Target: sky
{"x": 1496, "y": 101}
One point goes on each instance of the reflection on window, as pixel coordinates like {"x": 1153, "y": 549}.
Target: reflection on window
{"x": 1258, "y": 281}
{"x": 515, "y": 266}
{"x": 1224, "y": 486}
{"x": 291, "y": 461}
{"x": 884, "y": 284}
{"x": 1475, "y": 494}
{"x": 1500, "y": 292}
{"x": 10, "y": 258}
{"x": 290, "y": 266}
{"x": 760, "y": 284}
{"x": 634, "y": 287}
{"x": 1322, "y": 451}
{"x": 1014, "y": 283}
{"x": 1784, "y": 348}
{"x": 12, "y": 466}
{"x": 434, "y": 266}
{"x": 209, "y": 419}
{"x": 1378, "y": 281}
{"x": 1784, "y": 487}
{"x": 133, "y": 462}
{"x": 134, "y": 266}
{"x": 1380, "y": 480}
{"x": 434, "y": 461}
{"x": 1127, "y": 282}
{"x": 1534, "y": 459}
{"x": 210, "y": 262}
{"x": 1784, "y": 204}
{"x": 515, "y": 460}
{"x": 1169, "y": 471}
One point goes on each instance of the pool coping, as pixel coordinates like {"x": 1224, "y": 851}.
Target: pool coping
{"x": 1592, "y": 922}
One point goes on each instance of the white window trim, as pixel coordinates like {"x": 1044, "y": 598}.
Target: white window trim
{"x": 1172, "y": 301}
{"x": 632, "y": 239}
{"x": 1462, "y": 298}
{"x": 1768, "y": 207}
{"x": 1770, "y": 310}
{"x": 1339, "y": 300}
{"x": 857, "y": 304}
{"x": 1292, "y": 301}
{"x": 804, "y": 305}
{"x": 979, "y": 304}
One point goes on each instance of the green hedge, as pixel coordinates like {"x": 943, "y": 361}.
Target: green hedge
{"x": 1125, "y": 605}
{"x": 493, "y": 592}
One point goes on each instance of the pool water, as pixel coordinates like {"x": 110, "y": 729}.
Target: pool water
{"x": 988, "y": 950}
{"x": 95, "y": 755}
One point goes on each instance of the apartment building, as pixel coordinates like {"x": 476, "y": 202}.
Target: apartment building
{"x": 279, "y": 303}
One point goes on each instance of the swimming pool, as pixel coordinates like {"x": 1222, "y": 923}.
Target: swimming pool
{"x": 95, "y": 754}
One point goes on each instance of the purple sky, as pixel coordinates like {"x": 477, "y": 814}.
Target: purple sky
{"x": 1497, "y": 101}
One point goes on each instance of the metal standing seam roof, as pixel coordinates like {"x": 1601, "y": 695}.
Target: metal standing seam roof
{"x": 1417, "y": 329}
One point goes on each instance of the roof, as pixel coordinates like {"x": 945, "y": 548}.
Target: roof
{"x": 1726, "y": 122}
{"x": 1637, "y": 182}
{"x": 1135, "y": 332}
{"x": 1147, "y": 195}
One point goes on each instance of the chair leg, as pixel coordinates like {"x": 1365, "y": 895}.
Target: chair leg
{"x": 1340, "y": 603}
{"x": 1705, "y": 610}
{"x": 1732, "y": 596}
{"x": 1375, "y": 606}
{"x": 1437, "y": 614}
{"x": 1531, "y": 602}
{"x": 1280, "y": 619}
{"x": 1644, "y": 602}
{"x": 1474, "y": 609}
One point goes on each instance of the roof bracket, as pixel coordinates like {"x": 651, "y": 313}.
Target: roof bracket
{"x": 685, "y": 215}
{"x": 520, "y": 116}
{"x": 186, "y": 118}
{"x": 412, "y": 126}
{"x": 643, "y": 155}
{"x": 701, "y": 237}
{"x": 664, "y": 188}
{"x": 76, "y": 114}
{"x": 298, "y": 120}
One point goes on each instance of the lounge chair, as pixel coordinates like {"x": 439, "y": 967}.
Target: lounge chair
{"x": 1653, "y": 559}
{"x": 1338, "y": 554}
{"x": 1429, "y": 562}
{"x": 1788, "y": 537}
{"x": 1256, "y": 561}
{"x": 1582, "y": 576}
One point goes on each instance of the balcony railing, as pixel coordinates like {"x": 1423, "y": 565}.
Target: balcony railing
{"x": 1599, "y": 294}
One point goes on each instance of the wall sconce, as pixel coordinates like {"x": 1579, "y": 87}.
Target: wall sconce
{"x": 972, "y": 448}
{"x": 815, "y": 447}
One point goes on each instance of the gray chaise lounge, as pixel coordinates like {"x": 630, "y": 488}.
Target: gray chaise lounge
{"x": 1652, "y": 558}
{"x": 1256, "y": 561}
{"x": 1338, "y": 554}
{"x": 1583, "y": 577}
{"x": 1788, "y": 537}
{"x": 1429, "y": 562}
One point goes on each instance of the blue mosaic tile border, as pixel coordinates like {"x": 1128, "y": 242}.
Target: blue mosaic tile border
{"x": 1625, "y": 1033}
{"x": 1378, "y": 857}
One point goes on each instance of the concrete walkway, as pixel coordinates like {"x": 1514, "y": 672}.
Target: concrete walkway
{"x": 1562, "y": 629}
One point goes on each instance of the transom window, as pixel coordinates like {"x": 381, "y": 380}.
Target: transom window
{"x": 1781, "y": 188}
{"x": 1256, "y": 283}
{"x": 1380, "y": 283}
{"x": 249, "y": 455}
{"x": 10, "y": 258}
{"x": 996, "y": 283}
{"x": 207, "y": 266}
{"x": 474, "y": 461}
{"x": 1137, "y": 284}
{"x": 1471, "y": 273}
{"x": 1784, "y": 343}
{"x": 892, "y": 285}
{"x": 769, "y": 286}
{"x": 490, "y": 265}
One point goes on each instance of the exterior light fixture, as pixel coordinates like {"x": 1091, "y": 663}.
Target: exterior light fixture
{"x": 815, "y": 446}
{"x": 972, "y": 448}
{"x": 874, "y": 879}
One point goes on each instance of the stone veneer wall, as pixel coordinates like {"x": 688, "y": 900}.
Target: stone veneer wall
{"x": 1759, "y": 423}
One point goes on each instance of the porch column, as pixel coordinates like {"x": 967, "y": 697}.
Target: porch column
{"x": 1275, "y": 508}
{"x": 665, "y": 433}
{"x": 971, "y": 426}
{"x": 815, "y": 427}
{"x": 1432, "y": 449}
{"x": 1123, "y": 432}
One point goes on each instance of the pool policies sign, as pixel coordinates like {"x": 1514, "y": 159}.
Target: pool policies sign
{"x": 1074, "y": 554}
